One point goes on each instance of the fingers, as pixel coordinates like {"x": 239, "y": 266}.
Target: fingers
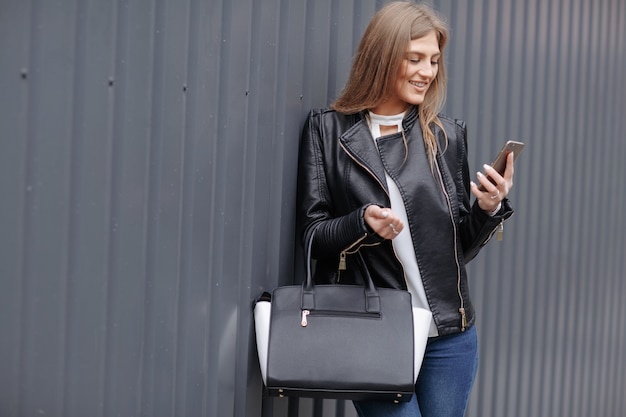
{"x": 383, "y": 221}
{"x": 510, "y": 169}
{"x": 493, "y": 187}
{"x": 488, "y": 198}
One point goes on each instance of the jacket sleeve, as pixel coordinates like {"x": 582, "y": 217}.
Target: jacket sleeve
{"x": 315, "y": 211}
{"x": 476, "y": 226}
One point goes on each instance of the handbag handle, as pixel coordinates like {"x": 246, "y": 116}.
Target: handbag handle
{"x": 372, "y": 299}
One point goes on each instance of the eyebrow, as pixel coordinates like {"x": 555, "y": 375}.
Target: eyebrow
{"x": 422, "y": 54}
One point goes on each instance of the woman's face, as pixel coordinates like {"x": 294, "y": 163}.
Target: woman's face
{"x": 417, "y": 72}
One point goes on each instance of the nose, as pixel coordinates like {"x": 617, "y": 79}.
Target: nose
{"x": 426, "y": 70}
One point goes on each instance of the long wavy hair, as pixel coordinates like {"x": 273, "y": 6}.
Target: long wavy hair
{"x": 378, "y": 59}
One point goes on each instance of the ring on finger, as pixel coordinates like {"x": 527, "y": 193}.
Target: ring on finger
{"x": 494, "y": 196}
{"x": 393, "y": 229}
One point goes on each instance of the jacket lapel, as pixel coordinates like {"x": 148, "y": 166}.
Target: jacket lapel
{"x": 358, "y": 143}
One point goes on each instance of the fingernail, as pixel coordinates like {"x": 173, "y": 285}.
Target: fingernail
{"x": 479, "y": 174}
{"x": 486, "y": 167}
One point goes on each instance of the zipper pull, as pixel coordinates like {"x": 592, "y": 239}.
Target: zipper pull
{"x": 303, "y": 322}
{"x": 500, "y": 232}
{"x": 463, "y": 319}
{"x": 342, "y": 261}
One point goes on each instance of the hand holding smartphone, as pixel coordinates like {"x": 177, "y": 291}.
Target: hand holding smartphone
{"x": 499, "y": 163}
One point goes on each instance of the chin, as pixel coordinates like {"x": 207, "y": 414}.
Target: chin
{"x": 414, "y": 100}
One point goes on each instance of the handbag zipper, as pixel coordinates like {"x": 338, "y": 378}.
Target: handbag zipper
{"x": 329, "y": 313}
{"x": 304, "y": 322}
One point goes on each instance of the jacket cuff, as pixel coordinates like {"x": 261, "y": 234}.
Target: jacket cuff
{"x": 372, "y": 236}
{"x": 504, "y": 212}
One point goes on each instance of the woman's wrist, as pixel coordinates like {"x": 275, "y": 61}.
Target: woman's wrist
{"x": 494, "y": 211}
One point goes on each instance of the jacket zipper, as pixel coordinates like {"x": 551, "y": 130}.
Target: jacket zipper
{"x": 498, "y": 231}
{"x": 456, "y": 252}
{"x": 346, "y": 251}
{"x": 342, "y": 255}
{"x": 365, "y": 167}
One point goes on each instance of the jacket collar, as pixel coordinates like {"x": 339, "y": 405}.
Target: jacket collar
{"x": 357, "y": 141}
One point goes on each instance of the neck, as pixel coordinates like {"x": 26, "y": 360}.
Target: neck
{"x": 391, "y": 107}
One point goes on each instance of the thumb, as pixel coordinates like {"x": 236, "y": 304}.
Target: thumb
{"x": 383, "y": 212}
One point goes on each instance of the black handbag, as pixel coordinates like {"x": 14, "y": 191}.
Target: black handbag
{"x": 338, "y": 341}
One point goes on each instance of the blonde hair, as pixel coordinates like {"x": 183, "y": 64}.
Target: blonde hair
{"x": 382, "y": 49}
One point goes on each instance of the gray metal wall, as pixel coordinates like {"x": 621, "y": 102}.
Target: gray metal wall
{"x": 147, "y": 160}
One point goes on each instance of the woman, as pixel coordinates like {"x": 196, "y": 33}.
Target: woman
{"x": 384, "y": 174}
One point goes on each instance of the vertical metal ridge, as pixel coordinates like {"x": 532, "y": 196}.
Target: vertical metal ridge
{"x": 151, "y": 208}
{"x": 186, "y": 213}
{"x": 601, "y": 45}
{"x": 465, "y": 85}
{"x": 213, "y": 255}
{"x": 609, "y": 395}
{"x": 583, "y": 401}
{"x": 528, "y": 124}
{"x": 252, "y": 150}
{"x": 109, "y": 191}
{"x": 490, "y": 138}
{"x": 307, "y": 71}
{"x": 523, "y": 124}
{"x": 511, "y": 301}
{"x": 512, "y": 124}
{"x": 283, "y": 139}
{"x": 120, "y": 28}
{"x": 218, "y": 215}
{"x": 577, "y": 233}
{"x": 25, "y": 204}
{"x": 564, "y": 313}
{"x": 357, "y": 28}
{"x": 574, "y": 360}
{"x": 478, "y": 91}
{"x": 14, "y": 41}
{"x": 77, "y": 104}
{"x": 569, "y": 54}
{"x": 619, "y": 379}
{"x": 333, "y": 41}
{"x": 551, "y": 117}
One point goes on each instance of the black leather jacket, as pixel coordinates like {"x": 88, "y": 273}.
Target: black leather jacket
{"x": 341, "y": 172}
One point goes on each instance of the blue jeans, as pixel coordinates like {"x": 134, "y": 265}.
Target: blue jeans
{"x": 443, "y": 385}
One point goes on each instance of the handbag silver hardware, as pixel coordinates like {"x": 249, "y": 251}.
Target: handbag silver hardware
{"x": 305, "y": 313}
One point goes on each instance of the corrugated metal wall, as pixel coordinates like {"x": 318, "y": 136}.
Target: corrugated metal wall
{"x": 147, "y": 167}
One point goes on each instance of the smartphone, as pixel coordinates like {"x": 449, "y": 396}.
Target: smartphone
{"x": 499, "y": 164}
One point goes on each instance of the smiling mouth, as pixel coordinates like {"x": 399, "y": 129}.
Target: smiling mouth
{"x": 417, "y": 84}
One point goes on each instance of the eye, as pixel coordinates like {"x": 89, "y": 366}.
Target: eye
{"x": 414, "y": 60}
{"x": 434, "y": 63}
